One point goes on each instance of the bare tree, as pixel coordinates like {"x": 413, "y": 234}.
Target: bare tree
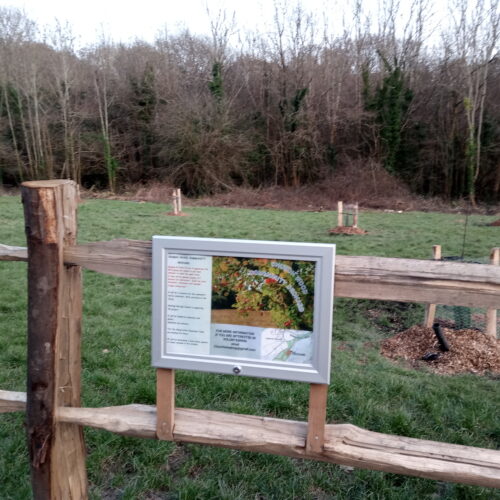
{"x": 15, "y": 30}
{"x": 103, "y": 69}
{"x": 475, "y": 41}
{"x": 64, "y": 79}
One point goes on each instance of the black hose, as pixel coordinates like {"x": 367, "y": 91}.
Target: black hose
{"x": 443, "y": 343}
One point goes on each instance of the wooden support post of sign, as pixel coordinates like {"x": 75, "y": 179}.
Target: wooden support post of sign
{"x": 317, "y": 418}
{"x": 56, "y": 449}
{"x": 355, "y": 215}
{"x": 430, "y": 309}
{"x": 165, "y": 403}
{"x": 491, "y": 314}
{"x": 340, "y": 215}
{"x": 179, "y": 200}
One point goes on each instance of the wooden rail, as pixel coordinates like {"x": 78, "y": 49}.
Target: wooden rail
{"x": 11, "y": 401}
{"x": 9, "y": 253}
{"x": 381, "y": 278}
{"x": 491, "y": 313}
{"x": 344, "y": 444}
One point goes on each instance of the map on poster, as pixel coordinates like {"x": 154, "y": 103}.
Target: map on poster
{"x": 248, "y": 308}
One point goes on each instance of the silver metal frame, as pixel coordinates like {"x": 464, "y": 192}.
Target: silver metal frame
{"x": 324, "y": 257}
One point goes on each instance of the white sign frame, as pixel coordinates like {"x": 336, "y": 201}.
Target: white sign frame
{"x": 323, "y": 255}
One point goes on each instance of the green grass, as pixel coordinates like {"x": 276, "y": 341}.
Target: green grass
{"x": 366, "y": 389}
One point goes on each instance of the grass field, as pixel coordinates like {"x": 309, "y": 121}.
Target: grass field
{"x": 366, "y": 389}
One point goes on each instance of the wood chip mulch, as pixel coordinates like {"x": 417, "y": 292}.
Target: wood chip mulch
{"x": 346, "y": 230}
{"x": 471, "y": 351}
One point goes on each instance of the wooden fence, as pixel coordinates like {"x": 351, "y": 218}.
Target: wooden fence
{"x": 52, "y": 401}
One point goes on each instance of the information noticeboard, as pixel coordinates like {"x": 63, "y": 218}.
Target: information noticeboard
{"x": 241, "y": 307}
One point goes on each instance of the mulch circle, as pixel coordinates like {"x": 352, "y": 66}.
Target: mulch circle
{"x": 471, "y": 351}
{"x": 347, "y": 230}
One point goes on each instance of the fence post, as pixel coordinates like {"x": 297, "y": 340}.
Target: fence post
{"x": 340, "y": 213}
{"x": 57, "y": 450}
{"x": 175, "y": 203}
{"x": 491, "y": 314}
{"x": 179, "y": 200}
{"x": 356, "y": 215}
{"x": 430, "y": 309}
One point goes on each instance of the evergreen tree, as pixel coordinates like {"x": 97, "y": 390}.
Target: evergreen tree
{"x": 389, "y": 103}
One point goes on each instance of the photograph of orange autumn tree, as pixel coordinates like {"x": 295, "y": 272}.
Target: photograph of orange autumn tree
{"x": 264, "y": 292}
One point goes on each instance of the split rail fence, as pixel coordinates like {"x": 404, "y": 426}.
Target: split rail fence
{"x": 52, "y": 402}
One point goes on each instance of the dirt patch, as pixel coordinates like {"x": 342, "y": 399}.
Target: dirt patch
{"x": 471, "y": 351}
{"x": 347, "y": 230}
{"x": 372, "y": 187}
{"x": 323, "y": 196}
{"x": 495, "y": 223}
{"x": 177, "y": 458}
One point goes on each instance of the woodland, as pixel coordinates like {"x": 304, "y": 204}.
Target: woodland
{"x": 290, "y": 106}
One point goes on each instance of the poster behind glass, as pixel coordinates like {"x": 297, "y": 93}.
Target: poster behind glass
{"x": 240, "y": 307}
{"x": 244, "y": 307}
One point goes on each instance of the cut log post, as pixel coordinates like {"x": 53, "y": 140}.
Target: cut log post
{"x": 179, "y": 200}
{"x": 165, "y": 403}
{"x": 430, "y": 309}
{"x": 316, "y": 419}
{"x": 57, "y": 450}
{"x": 340, "y": 214}
{"x": 491, "y": 313}
{"x": 174, "y": 202}
{"x": 355, "y": 215}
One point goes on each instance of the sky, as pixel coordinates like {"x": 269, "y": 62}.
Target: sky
{"x": 127, "y": 20}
